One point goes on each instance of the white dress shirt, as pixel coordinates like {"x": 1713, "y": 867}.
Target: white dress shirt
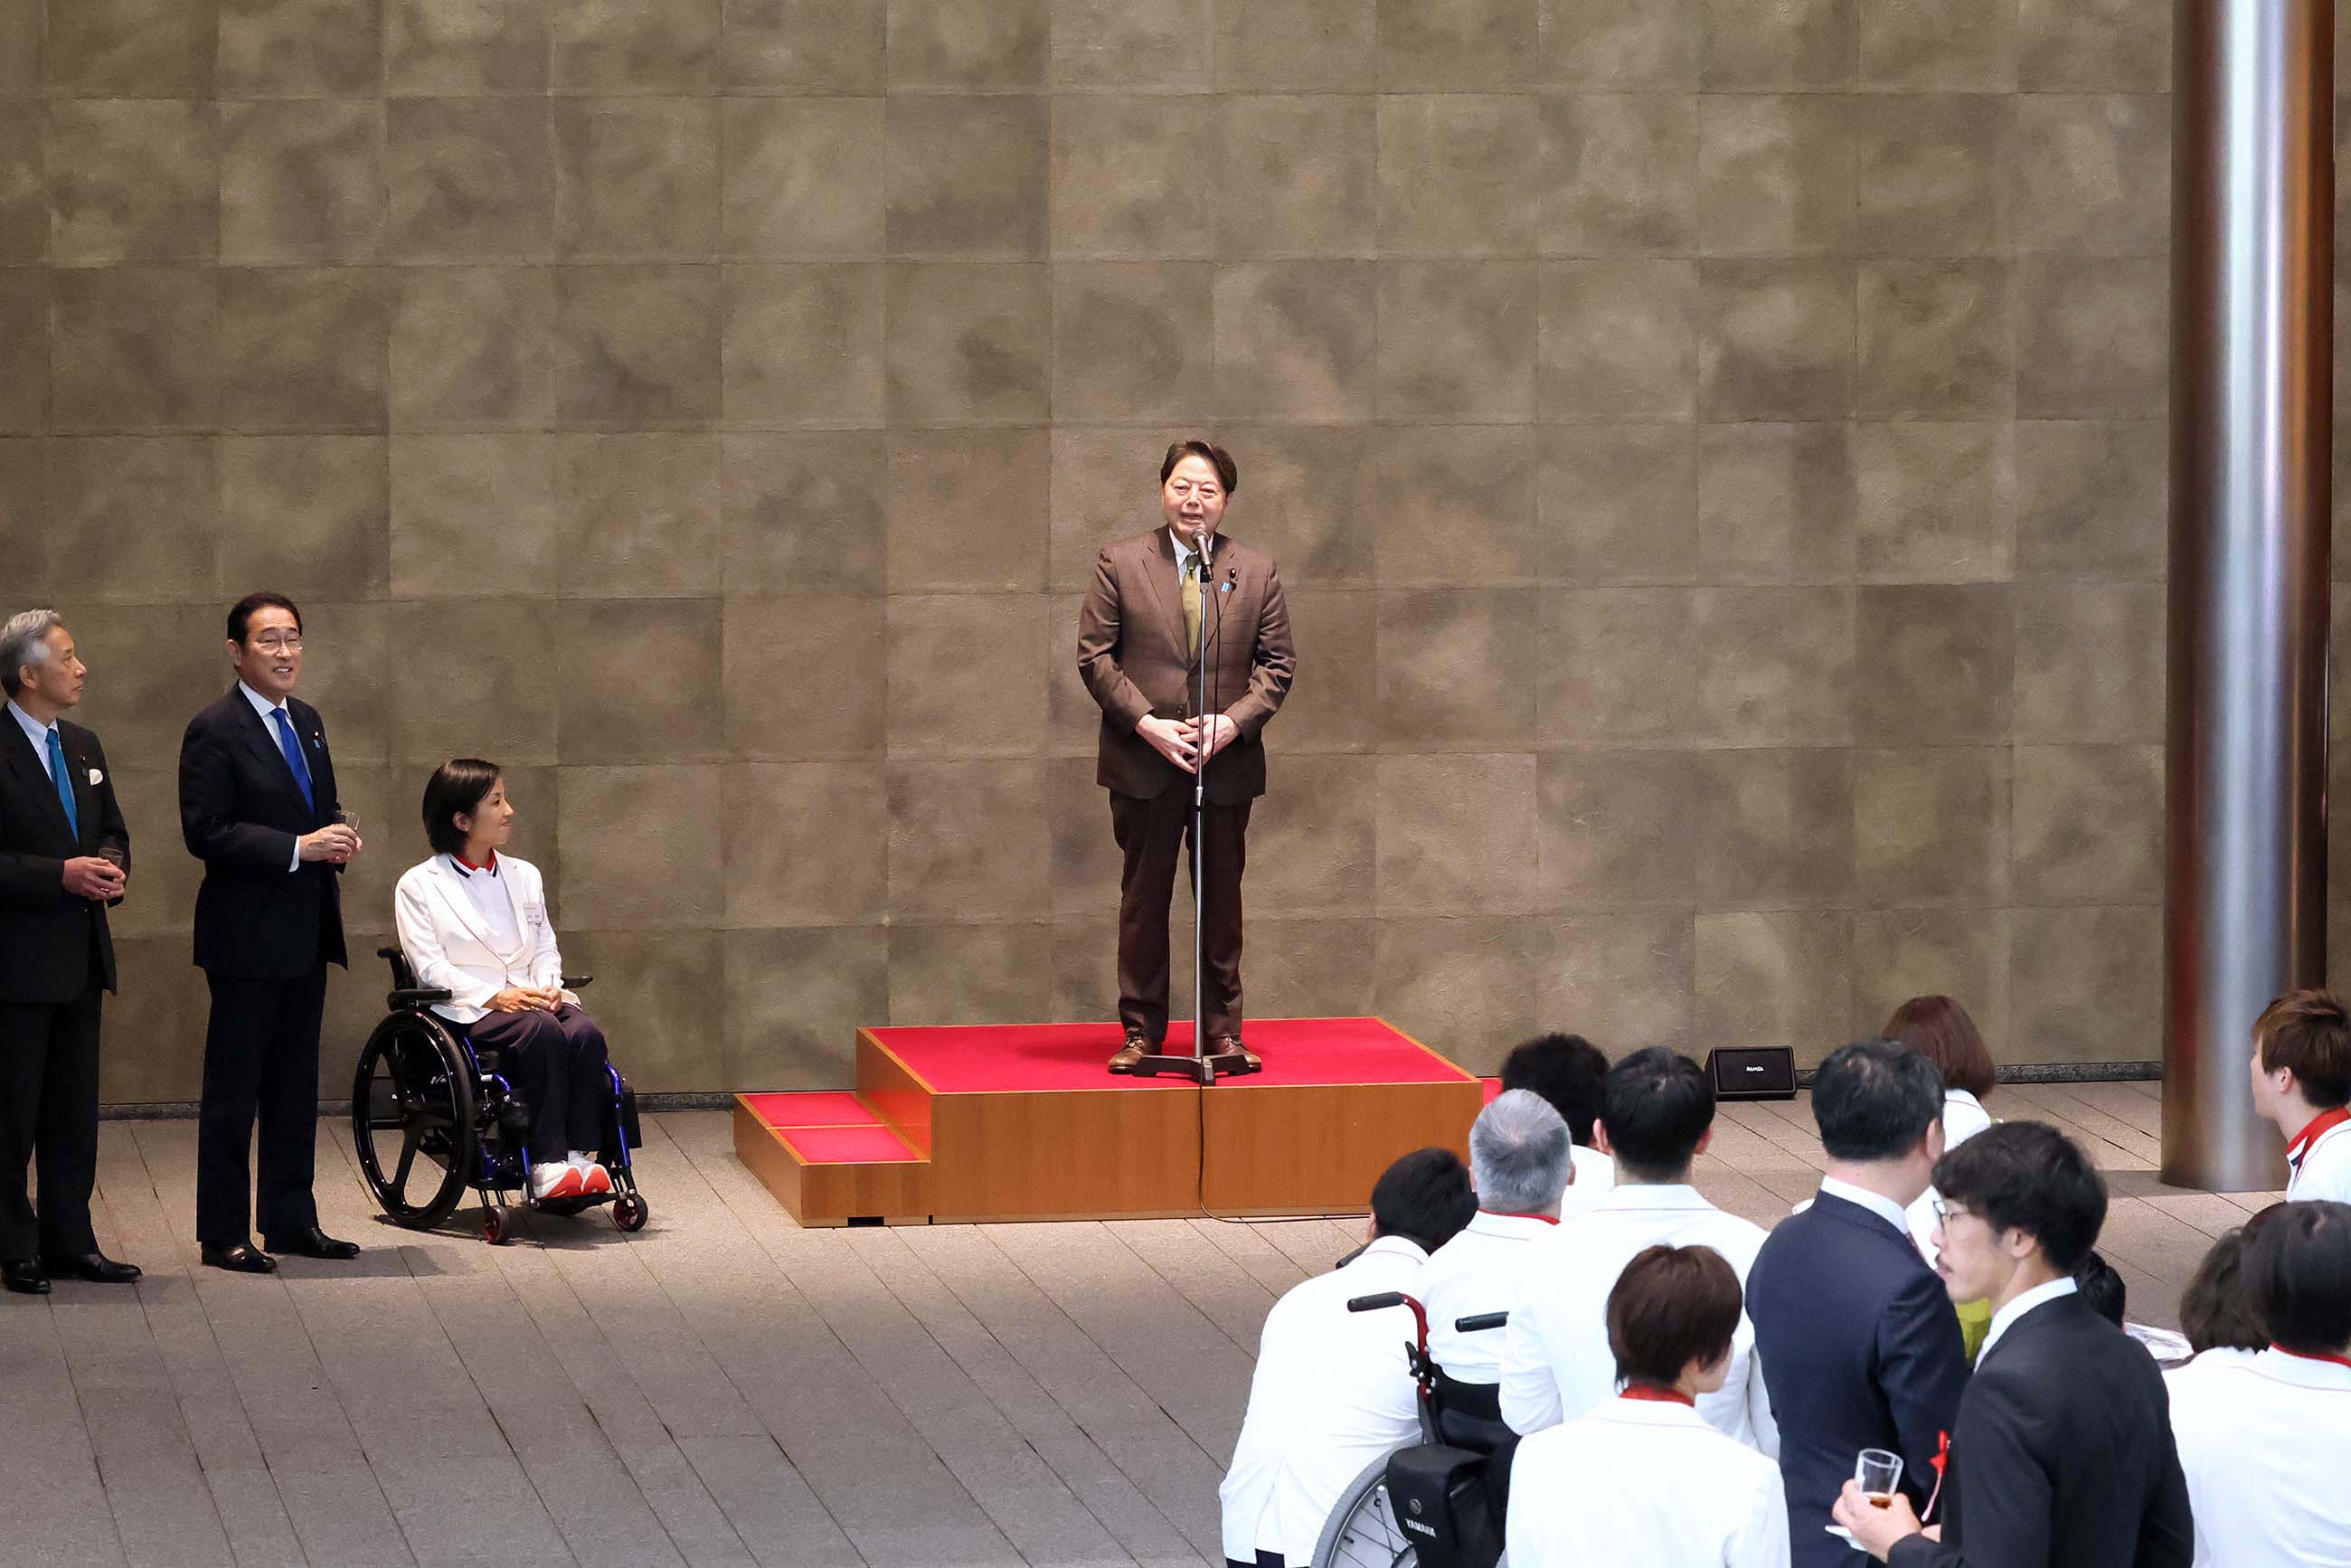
{"x": 1331, "y": 1393}
{"x": 1644, "y": 1484}
{"x": 2004, "y": 1319}
{"x": 2261, "y": 1440}
{"x": 1595, "y": 1176}
{"x": 37, "y": 733}
{"x": 2326, "y": 1169}
{"x": 1481, "y": 1270}
{"x": 1556, "y": 1364}
{"x": 1963, "y": 1117}
{"x": 458, "y": 940}
{"x": 265, "y": 708}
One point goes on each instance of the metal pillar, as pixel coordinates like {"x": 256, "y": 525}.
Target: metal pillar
{"x": 2252, "y": 269}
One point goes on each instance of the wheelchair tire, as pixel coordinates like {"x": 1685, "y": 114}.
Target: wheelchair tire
{"x": 629, "y": 1212}
{"x": 413, "y": 1123}
{"x": 1361, "y": 1531}
{"x": 498, "y": 1223}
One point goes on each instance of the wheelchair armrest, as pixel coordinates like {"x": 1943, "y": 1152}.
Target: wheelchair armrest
{"x": 575, "y": 982}
{"x": 416, "y": 996}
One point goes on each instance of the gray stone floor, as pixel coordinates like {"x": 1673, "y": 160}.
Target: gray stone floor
{"x": 726, "y": 1387}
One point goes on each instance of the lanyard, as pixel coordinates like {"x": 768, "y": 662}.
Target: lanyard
{"x": 1655, "y": 1395}
{"x": 2311, "y": 1356}
{"x": 1499, "y": 1214}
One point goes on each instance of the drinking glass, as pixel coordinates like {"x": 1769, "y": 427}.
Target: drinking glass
{"x": 1879, "y": 1473}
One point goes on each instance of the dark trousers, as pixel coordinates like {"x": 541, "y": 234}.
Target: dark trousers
{"x": 261, "y": 1056}
{"x": 48, "y": 1112}
{"x": 556, "y": 1062}
{"x": 1149, "y": 834}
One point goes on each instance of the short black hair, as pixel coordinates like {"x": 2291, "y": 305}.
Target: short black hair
{"x": 2029, "y": 1177}
{"x": 241, "y": 614}
{"x": 1229, "y": 473}
{"x": 1874, "y": 1100}
{"x": 2103, "y": 1287}
{"x": 1425, "y": 1197}
{"x": 2216, "y": 1308}
{"x": 2299, "y": 1272}
{"x": 1566, "y": 1069}
{"x": 1657, "y": 1105}
{"x": 456, "y": 786}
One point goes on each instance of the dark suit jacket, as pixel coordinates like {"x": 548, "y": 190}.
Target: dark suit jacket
{"x": 1135, "y": 657}
{"x": 2064, "y": 1458}
{"x": 1860, "y": 1349}
{"x": 49, "y": 938}
{"x": 240, "y": 811}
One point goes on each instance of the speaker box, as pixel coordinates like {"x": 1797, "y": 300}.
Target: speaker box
{"x": 1752, "y": 1072}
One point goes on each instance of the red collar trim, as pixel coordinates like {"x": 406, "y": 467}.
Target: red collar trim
{"x": 2306, "y": 1355}
{"x": 470, "y": 867}
{"x": 1505, "y": 1214}
{"x": 2319, "y": 1126}
{"x": 1650, "y": 1394}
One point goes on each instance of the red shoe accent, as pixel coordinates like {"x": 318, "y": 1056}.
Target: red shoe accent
{"x": 596, "y": 1180}
{"x": 568, "y": 1184}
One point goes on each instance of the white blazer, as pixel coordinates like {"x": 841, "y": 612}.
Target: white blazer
{"x": 1331, "y": 1393}
{"x": 1481, "y": 1270}
{"x": 1556, "y": 1364}
{"x": 2325, "y": 1171}
{"x": 1963, "y": 1117}
{"x": 2262, "y": 1440}
{"x": 450, "y": 948}
{"x": 1636, "y": 1484}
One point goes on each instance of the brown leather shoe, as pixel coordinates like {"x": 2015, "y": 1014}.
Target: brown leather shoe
{"x": 1130, "y": 1055}
{"x": 1230, "y": 1045}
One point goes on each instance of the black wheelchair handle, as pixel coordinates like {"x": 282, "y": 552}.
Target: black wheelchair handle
{"x": 575, "y": 982}
{"x": 416, "y": 996}
{"x": 1477, "y": 1322}
{"x": 1373, "y": 1303}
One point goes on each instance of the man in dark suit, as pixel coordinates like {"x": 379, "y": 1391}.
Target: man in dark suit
{"x": 65, "y": 856}
{"x": 2064, "y": 1457}
{"x": 1161, "y": 602}
{"x": 1860, "y": 1347}
{"x": 257, "y": 806}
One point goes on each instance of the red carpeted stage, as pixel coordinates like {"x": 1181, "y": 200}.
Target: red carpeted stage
{"x": 1020, "y": 1122}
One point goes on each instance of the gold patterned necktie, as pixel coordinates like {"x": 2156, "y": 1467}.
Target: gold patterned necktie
{"x": 1192, "y": 595}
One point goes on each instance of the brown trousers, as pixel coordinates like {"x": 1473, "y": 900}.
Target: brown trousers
{"x": 1149, "y": 833}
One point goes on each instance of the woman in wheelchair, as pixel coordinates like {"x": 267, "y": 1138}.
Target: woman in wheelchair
{"x": 473, "y": 921}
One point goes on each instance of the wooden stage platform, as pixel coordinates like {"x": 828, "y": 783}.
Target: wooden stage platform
{"x": 1021, "y": 1121}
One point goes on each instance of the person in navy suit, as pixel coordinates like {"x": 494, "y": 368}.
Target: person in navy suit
{"x": 1860, "y": 1344}
{"x": 257, "y": 806}
{"x": 65, "y": 856}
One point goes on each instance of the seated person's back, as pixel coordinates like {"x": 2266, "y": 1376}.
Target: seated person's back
{"x": 2262, "y": 1437}
{"x": 1569, "y": 1071}
{"x": 1644, "y": 1482}
{"x": 1332, "y": 1391}
{"x": 1519, "y": 1154}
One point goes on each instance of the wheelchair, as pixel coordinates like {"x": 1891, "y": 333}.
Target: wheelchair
{"x": 431, "y": 1116}
{"x": 1429, "y": 1504}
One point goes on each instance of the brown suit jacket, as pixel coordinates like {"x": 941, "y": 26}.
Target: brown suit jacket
{"x": 1131, "y": 652}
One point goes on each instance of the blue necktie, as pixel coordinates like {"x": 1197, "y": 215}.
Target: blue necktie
{"x": 293, "y": 750}
{"x": 59, "y": 776}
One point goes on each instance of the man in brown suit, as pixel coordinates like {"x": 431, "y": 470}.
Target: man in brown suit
{"x": 1159, "y": 600}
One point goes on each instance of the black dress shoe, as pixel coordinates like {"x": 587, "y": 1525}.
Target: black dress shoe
{"x": 242, "y": 1259}
{"x": 95, "y": 1267}
{"x": 312, "y": 1243}
{"x": 23, "y": 1276}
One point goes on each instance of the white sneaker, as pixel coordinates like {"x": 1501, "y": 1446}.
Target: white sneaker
{"x": 581, "y": 1159}
{"x": 550, "y": 1181}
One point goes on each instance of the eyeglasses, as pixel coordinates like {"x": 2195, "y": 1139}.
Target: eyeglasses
{"x": 1945, "y": 1212}
{"x": 278, "y": 644}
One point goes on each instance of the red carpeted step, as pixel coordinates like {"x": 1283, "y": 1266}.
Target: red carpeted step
{"x": 1029, "y": 1058}
{"x": 1493, "y": 1087}
{"x": 847, "y": 1146}
{"x": 815, "y": 1108}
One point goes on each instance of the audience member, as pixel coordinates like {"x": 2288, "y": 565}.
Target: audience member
{"x": 1658, "y": 1113}
{"x": 2063, "y": 1454}
{"x": 1517, "y": 1157}
{"x": 1568, "y": 1070}
{"x": 2102, "y": 1288}
{"x": 258, "y": 807}
{"x": 1939, "y": 1029}
{"x": 2261, "y": 1435}
{"x": 65, "y": 857}
{"x": 2302, "y": 1080}
{"x": 1859, "y": 1344}
{"x": 1332, "y": 1391}
{"x": 1644, "y": 1482}
{"x": 2216, "y": 1310}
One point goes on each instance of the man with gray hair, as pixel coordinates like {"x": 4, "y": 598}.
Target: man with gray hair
{"x": 65, "y": 856}
{"x": 1520, "y": 1155}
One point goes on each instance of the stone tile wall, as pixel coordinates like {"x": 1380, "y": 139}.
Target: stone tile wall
{"x": 1715, "y": 449}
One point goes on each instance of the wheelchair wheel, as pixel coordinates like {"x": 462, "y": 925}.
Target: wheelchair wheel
{"x": 1361, "y": 1532}
{"x": 629, "y": 1212}
{"x": 413, "y": 1120}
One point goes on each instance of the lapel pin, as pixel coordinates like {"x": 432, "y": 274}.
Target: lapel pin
{"x": 95, "y": 778}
